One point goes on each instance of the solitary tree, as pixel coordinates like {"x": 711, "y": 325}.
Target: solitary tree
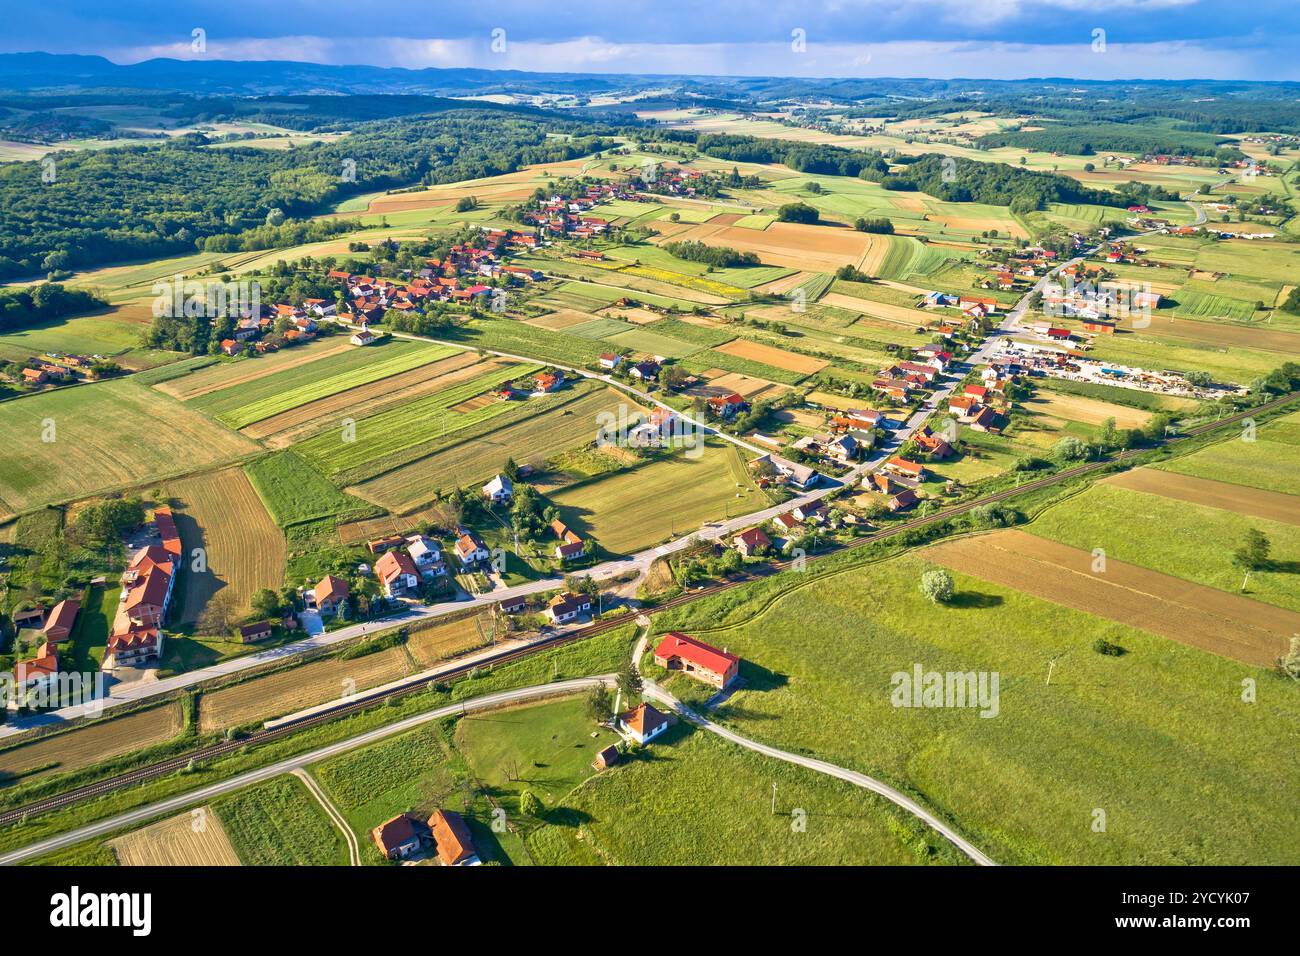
{"x": 599, "y": 707}
{"x": 1254, "y": 551}
{"x": 530, "y": 804}
{"x": 629, "y": 681}
{"x": 937, "y": 585}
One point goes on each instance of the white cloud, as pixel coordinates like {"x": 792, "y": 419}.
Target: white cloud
{"x": 909, "y": 58}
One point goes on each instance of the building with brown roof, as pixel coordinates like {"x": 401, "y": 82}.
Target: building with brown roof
{"x": 400, "y": 836}
{"x": 643, "y": 724}
{"x": 329, "y": 593}
{"x": 452, "y": 838}
{"x": 58, "y": 626}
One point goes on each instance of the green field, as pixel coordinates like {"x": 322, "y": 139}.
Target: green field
{"x": 401, "y": 435}
{"x": 279, "y": 823}
{"x": 699, "y": 362}
{"x": 1176, "y": 537}
{"x": 294, "y": 492}
{"x": 1236, "y": 365}
{"x": 1270, "y": 462}
{"x": 560, "y": 422}
{"x": 633, "y": 815}
{"x": 632, "y": 510}
{"x": 103, "y": 435}
{"x": 1158, "y": 739}
{"x": 249, "y": 402}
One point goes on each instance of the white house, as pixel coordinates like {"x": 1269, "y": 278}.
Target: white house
{"x": 426, "y": 553}
{"x": 499, "y": 490}
{"x": 470, "y": 549}
{"x": 397, "y": 573}
{"x": 363, "y": 337}
{"x": 643, "y": 724}
{"x": 567, "y": 606}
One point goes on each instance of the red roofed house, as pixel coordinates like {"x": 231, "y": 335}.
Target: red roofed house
{"x": 452, "y": 838}
{"x": 726, "y": 406}
{"x": 751, "y": 542}
{"x": 932, "y": 444}
{"x": 329, "y": 593}
{"x": 964, "y": 406}
{"x": 58, "y": 626}
{"x": 400, "y": 836}
{"x": 643, "y": 724}
{"x": 166, "y": 525}
{"x": 396, "y": 572}
{"x": 678, "y": 652}
{"x": 34, "y": 675}
{"x": 905, "y": 468}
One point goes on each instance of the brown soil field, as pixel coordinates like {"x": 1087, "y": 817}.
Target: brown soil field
{"x": 1257, "y": 502}
{"x": 1219, "y": 333}
{"x": 92, "y": 743}
{"x": 194, "y": 838}
{"x": 726, "y": 219}
{"x": 1090, "y": 411}
{"x": 245, "y": 551}
{"x": 355, "y": 532}
{"x": 475, "y": 403}
{"x": 217, "y": 377}
{"x": 508, "y": 187}
{"x": 636, "y": 316}
{"x": 782, "y": 286}
{"x": 262, "y": 698}
{"x": 895, "y": 314}
{"x": 798, "y": 246}
{"x": 976, "y": 225}
{"x": 1216, "y": 621}
{"x": 561, "y": 319}
{"x": 777, "y": 358}
{"x": 753, "y": 389}
{"x": 447, "y": 639}
{"x": 281, "y": 430}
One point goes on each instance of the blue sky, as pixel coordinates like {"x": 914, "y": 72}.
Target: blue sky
{"x": 939, "y": 38}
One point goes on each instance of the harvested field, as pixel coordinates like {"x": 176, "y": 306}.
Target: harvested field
{"x": 261, "y": 698}
{"x": 283, "y": 429}
{"x": 795, "y": 245}
{"x": 895, "y": 314}
{"x": 1255, "y": 502}
{"x": 827, "y": 400}
{"x": 225, "y": 374}
{"x": 722, "y": 382}
{"x": 561, "y": 319}
{"x": 221, "y": 513}
{"x": 637, "y": 316}
{"x": 777, "y": 358}
{"x": 1201, "y": 617}
{"x": 92, "y": 743}
{"x": 1223, "y": 334}
{"x": 194, "y": 838}
{"x": 784, "y": 285}
{"x": 430, "y": 645}
{"x": 1090, "y": 411}
{"x": 357, "y": 532}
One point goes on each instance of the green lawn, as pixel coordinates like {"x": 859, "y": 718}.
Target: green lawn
{"x": 1271, "y": 462}
{"x": 280, "y": 823}
{"x": 636, "y": 509}
{"x": 294, "y": 492}
{"x": 1159, "y": 738}
{"x": 691, "y": 799}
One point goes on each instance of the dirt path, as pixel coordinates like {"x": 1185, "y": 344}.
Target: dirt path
{"x": 354, "y": 853}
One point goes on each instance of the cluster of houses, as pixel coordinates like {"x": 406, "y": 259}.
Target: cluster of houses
{"x": 790, "y": 523}
{"x": 256, "y": 332}
{"x": 566, "y": 216}
{"x": 39, "y": 673}
{"x": 136, "y": 635}
{"x": 899, "y": 380}
{"x": 673, "y": 181}
{"x": 53, "y": 368}
{"x": 444, "y": 832}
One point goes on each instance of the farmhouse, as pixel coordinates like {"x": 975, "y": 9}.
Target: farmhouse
{"x": 452, "y": 838}
{"x": 58, "y": 626}
{"x": 470, "y": 549}
{"x": 610, "y": 360}
{"x": 363, "y": 337}
{"x": 905, "y": 469}
{"x": 678, "y": 652}
{"x": 397, "y": 573}
{"x": 904, "y": 499}
{"x": 936, "y": 447}
{"x": 34, "y": 675}
{"x": 252, "y": 633}
{"x": 643, "y": 724}
{"x": 646, "y": 371}
{"x": 427, "y": 555}
{"x": 567, "y": 606}
{"x": 386, "y": 543}
{"x": 786, "y": 523}
{"x": 329, "y": 594}
{"x": 751, "y": 542}
{"x": 400, "y": 836}
{"x": 728, "y": 406}
{"x": 571, "y": 544}
{"x": 499, "y": 490}
{"x": 963, "y": 406}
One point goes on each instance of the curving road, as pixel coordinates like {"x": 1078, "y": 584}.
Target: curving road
{"x": 203, "y": 795}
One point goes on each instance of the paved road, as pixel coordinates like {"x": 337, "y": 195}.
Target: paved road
{"x": 354, "y": 852}
{"x": 203, "y": 795}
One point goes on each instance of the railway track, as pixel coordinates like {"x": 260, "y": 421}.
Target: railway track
{"x": 363, "y": 701}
